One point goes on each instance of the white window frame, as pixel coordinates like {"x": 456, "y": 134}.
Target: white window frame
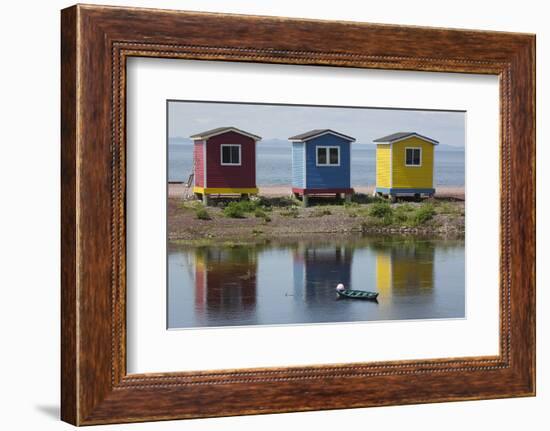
{"x": 221, "y": 155}
{"x": 413, "y": 165}
{"x": 328, "y": 148}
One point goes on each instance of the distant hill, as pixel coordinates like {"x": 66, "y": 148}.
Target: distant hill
{"x": 285, "y": 143}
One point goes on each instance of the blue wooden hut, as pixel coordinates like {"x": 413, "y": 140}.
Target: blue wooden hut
{"x": 321, "y": 164}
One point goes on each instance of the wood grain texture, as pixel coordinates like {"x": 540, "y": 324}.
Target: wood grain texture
{"x": 96, "y": 41}
{"x": 69, "y": 397}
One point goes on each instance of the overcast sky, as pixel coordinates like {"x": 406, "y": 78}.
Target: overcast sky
{"x": 282, "y": 121}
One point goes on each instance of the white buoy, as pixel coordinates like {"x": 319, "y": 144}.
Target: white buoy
{"x": 340, "y": 287}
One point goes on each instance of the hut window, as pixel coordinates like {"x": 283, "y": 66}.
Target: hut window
{"x": 413, "y": 157}
{"x": 328, "y": 156}
{"x": 231, "y": 154}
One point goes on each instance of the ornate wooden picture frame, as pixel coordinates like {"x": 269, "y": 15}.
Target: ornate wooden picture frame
{"x": 96, "y": 41}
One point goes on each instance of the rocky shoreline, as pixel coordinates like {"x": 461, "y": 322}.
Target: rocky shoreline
{"x": 189, "y": 222}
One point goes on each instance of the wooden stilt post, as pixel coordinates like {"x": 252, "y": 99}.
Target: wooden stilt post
{"x": 305, "y": 200}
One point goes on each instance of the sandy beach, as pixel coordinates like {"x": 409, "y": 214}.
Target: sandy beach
{"x": 455, "y": 192}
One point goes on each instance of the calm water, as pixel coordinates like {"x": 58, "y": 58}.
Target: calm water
{"x": 295, "y": 282}
{"x": 274, "y": 165}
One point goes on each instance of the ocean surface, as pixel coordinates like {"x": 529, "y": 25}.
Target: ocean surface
{"x": 294, "y": 283}
{"x": 274, "y": 164}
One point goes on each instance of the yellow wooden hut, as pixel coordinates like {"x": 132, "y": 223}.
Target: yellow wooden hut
{"x": 405, "y": 165}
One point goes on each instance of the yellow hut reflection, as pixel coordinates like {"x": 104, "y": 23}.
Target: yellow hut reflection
{"x": 405, "y": 267}
{"x": 225, "y": 280}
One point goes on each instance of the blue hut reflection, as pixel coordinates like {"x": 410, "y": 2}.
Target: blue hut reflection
{"x": 319, "y": 268}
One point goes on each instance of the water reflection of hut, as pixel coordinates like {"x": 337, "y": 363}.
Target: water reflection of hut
{"x": 404, "y": 265}
{"x": 318, "y": 269}
{"x": 225, "y": 280}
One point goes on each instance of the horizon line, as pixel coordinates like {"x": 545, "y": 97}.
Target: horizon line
{"x": 286, "y": 140}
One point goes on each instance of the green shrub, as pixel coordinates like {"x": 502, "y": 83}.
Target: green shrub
{"x": 423, "y": 214}
{"x": 380, "y": 210}
{"x": 405, "y": 207}
{"x": 234, "y": 210}
{"x": 247, "y": 206}
{"x": 202, "y": 214}
{"x": 277, "y": 201}
{"x": 387, "y": 220}
{"x": 370, "y": 222}
{"x": 400, "y": 217}
{"x": 290, "y": 212}
{"x": 239, "y": 209}
{"x": 402, "y": 213}
{"x": 189, "y": 205}
{"x": 260, "y": 213}
{"x": 449, "y": 208}
{"x": 320, "y": 212}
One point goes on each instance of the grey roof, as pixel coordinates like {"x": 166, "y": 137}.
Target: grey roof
{"x": 219, "y": 130}
{"x": 317, "y": 132}
{"x": 402, "y": 135}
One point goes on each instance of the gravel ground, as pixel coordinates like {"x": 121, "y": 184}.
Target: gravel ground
{"x": 184, "y": 226}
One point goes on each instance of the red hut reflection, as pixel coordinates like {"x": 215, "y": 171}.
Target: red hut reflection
{"x": 225, "y": 281}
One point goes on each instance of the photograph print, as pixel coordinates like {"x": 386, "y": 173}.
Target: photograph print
{"x": 298, "y": 214}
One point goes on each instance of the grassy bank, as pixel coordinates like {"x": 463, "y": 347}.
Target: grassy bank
{"x": 264, "y": 218}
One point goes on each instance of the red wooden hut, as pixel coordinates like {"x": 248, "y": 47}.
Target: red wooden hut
{"x": 224, "y": 162}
